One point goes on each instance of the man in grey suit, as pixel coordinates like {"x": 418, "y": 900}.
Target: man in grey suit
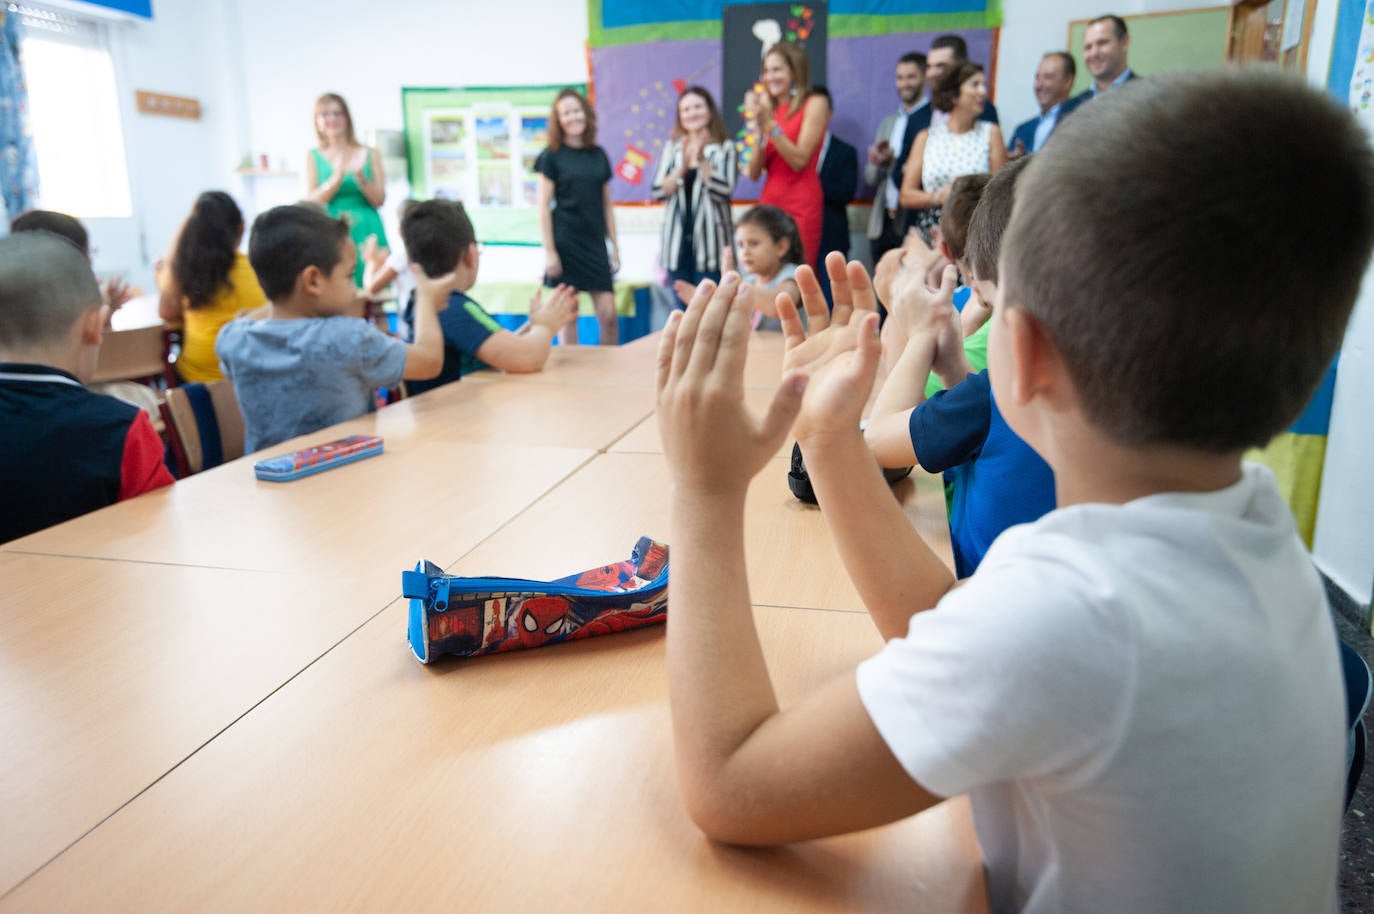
{"x": 886, "y": 220}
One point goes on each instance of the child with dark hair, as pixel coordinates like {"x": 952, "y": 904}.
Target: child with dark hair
{"x": 65, "y": 449}
{"x": 307, "y": 365}
{"x": 439, "y": 239}
{"x": 1140, "y": 693}
{"x": 206, "y": 282}
{"x": 770, "y": 250}
{"x": 994, "y": 479}
{"x": 113, "y": 291}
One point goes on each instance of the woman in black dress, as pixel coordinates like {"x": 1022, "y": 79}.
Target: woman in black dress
{"x": 575, "y": 213}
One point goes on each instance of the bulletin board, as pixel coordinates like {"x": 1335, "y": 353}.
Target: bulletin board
{"x": 645, "y": 52}
{"x": 478, "y": 145}
{"x": 1160, "y": 42}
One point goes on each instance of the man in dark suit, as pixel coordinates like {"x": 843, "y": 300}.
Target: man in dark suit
{"x": 838, "y": 166}
{"x": 946, "y": 53}
{"x": 1053, "y": 83}
{"x": 1105, "y": 46}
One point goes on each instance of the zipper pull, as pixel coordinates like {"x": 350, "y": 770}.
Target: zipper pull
{"x": 439, "y": 593}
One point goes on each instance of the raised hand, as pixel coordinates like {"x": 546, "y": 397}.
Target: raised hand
{"x": 840, "y": 352}
{"x": 727, "y": 261}
{"x": 434, "y": 289}
{"x": 713, "y": 443}
{"x": 556, "y": 311}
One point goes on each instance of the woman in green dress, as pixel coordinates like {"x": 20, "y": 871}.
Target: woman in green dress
{"x": 346, "y": 176}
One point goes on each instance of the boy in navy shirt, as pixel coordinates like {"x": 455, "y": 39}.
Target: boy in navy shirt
{"x": 439, "y": 239}
{"x": 995, "y": 480}
{"x": 65, "y": 450}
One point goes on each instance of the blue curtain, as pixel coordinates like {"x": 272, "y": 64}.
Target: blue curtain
{"x": 18, "y": 171}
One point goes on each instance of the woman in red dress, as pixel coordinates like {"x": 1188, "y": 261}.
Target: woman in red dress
{"x": 790, "y": 123}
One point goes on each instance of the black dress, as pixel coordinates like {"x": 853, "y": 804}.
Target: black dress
{"x": 579, "y": 216}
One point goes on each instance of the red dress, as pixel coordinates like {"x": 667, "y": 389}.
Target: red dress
{"x": 797, "y": 193}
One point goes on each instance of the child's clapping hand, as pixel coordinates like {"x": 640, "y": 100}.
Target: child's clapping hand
{"x": 433, "y": 289}
{"x": 555, "y": 312}
{"x": 713, "y": 444}
{"x": 840, "y": 354}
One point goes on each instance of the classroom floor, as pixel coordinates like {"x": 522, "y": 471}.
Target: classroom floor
{"x": 1357, "y": 835}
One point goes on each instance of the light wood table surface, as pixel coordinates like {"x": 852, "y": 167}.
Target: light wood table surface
{"x": 595, "y": 516}
{"x": 368, "y": 520}
{"x": 193, "y": 719}
{"x": 633, "y": 365}
{"x": 112, "y": 673}
{"x": 532, "y": 781}
{"x": 512, "y": 413}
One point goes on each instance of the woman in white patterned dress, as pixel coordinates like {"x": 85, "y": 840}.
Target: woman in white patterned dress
{"x": 959, "y": 144}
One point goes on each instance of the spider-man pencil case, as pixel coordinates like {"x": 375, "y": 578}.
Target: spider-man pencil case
{"x": 471, "y": 616}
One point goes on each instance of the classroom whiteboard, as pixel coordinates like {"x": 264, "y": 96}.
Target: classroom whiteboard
{"x": 1160, "y": 42}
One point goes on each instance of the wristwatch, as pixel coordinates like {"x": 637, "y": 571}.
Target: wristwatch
{"x": 776, "y": 131}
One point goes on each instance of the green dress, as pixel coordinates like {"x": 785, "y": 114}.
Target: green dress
{"x": 350, "y": 203}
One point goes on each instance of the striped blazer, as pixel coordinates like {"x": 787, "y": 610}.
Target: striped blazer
{"x": 712, "y": 227}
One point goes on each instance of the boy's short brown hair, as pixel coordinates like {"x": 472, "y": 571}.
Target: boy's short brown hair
{"x": 437, "y": 233}
{"x": 1144, "y": 243}
{"x": 989, "y": 221}
{"x": 957, "y": 212}
{"x": 288, "y": 239}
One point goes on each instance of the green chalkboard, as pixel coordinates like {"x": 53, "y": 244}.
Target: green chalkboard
{"x": 1186, "y": 40}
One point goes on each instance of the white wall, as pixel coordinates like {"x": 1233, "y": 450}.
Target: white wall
{"x": 183, "y": 52}
{"x": 1344, "y": 541}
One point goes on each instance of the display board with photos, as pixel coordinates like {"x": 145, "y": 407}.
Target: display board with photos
{"x": 479, "y": 145}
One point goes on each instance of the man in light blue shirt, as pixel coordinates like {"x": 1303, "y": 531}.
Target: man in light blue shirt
{"x": 1105, "y": 46}
{"x": 885, "y": 220}
{"x": 1053, "y": 83}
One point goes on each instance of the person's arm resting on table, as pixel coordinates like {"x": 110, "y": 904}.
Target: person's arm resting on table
{"x": 750, "y": 772}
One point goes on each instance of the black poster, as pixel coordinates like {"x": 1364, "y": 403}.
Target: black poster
{"x": 750, "y": 30}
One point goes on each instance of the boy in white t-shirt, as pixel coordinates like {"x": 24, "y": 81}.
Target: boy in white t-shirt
{"x": 1140, "y": 692}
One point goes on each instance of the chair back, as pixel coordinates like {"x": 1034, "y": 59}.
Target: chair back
{"x": 127, "y": 355}
{"x": 1358, "y": 687}
{"x": 205, "y": 425}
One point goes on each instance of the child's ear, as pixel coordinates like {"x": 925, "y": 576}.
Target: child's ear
{"x": 91, "y": 325}
{"x": 948, "y": 254}
{"x": 311, "y": 280}
{"x": 1036, "y": 369}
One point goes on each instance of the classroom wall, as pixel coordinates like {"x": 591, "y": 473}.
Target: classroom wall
{"x": 1344, "y": 540}
{"x": 186, "y": 51}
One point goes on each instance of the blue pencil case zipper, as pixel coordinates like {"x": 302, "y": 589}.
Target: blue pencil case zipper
{"x": 471, "y": 616}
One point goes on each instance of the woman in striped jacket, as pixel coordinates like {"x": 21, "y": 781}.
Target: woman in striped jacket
{"x": 696, "y": 176}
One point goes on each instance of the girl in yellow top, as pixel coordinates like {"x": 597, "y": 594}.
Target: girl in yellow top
{"x": 205, "y": 282}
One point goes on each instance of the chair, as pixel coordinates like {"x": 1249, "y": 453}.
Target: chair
{"x": 1358, "y": 686}
{"x": 204, "y": 424}
{"x": 139, "y": 354}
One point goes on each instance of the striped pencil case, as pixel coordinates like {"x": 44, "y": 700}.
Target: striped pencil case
{"x": 467, "y": 617}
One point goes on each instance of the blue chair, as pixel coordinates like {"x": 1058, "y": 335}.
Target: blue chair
{"x": 1358, "y": 686}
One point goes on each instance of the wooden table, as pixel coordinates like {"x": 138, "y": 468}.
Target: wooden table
{"x": 207, "y": 702}
{"x": 113, "y": 673}
{"x": 540, "y": 780}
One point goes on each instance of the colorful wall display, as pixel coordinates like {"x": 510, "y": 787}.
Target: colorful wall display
{"x": 637, "y": 86}
{"x": 478, "y": 145}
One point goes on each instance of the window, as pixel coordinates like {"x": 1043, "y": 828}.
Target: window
{"x": 74, "y": 113}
